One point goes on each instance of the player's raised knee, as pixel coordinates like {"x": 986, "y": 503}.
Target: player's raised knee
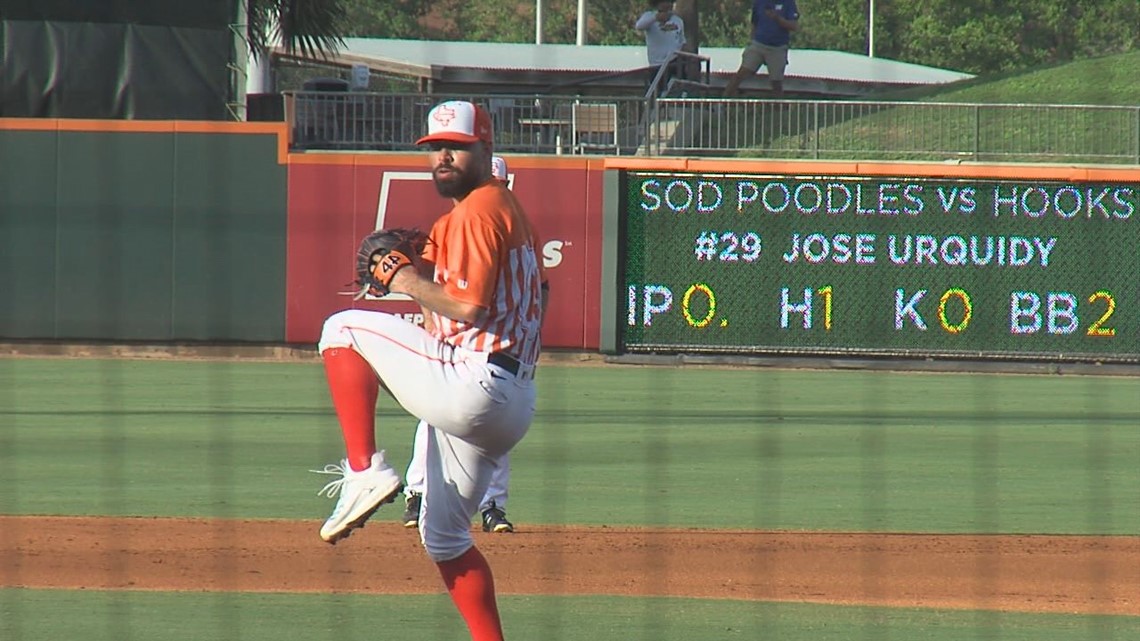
{"x": 337, "y": 330}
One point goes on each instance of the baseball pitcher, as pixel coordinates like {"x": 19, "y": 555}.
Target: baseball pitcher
{"x": 470, "y": 379}
{"x": 493, "y": 507}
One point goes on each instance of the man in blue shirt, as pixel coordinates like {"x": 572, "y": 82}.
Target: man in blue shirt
{"x": 773, "y": 21}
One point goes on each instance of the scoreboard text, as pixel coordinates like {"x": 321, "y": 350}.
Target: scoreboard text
{"x": 890, "y": 266}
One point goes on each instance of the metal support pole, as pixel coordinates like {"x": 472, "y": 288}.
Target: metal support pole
{"x": 1136, "y": 136}
{"x": 871, "y": 30}
{"x": 977, "y": 130}
{"x": 815, "y": 127}
{"x": 539, "y": 19}
{"x": 583, "y": 16}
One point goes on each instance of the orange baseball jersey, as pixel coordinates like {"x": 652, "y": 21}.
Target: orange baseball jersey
{"x": 485, "y": 253}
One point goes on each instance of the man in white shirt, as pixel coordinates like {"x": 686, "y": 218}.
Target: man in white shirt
{"x": 664, "y": 34}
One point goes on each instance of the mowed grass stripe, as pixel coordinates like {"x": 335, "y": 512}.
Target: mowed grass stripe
{"x": 717, "y": 448}
{"x": 191, "y": 616}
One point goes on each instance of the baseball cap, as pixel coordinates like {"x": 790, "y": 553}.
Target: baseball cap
{"x": 458, "y": 121}
{"x": 499, "y": 168}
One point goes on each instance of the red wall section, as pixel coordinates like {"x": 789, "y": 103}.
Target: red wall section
{"x": 335, "y": 199}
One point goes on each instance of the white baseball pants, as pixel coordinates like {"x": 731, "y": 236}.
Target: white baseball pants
{"x": 477, "y": 412}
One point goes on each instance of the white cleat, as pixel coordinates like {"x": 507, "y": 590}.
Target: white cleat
{"x": 361, "y": 494}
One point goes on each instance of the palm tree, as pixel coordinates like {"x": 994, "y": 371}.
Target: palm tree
{"x": 311, "y": 27}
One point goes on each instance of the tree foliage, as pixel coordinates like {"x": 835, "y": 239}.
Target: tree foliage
{"x": 978, "y": 36}
{"x": 312, "y": 27}
{"x": 388, "y": 19}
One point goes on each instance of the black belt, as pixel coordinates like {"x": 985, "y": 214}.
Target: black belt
{"x": 505, "y": 361}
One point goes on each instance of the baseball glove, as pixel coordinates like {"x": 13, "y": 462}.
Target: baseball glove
{"x": 383, "y": 253}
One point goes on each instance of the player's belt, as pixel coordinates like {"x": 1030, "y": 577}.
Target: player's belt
{"x": 510, "y": 363}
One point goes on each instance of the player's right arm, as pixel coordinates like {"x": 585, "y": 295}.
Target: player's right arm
{"x": 427, "y": 269}
{"x": 434, "y": 298}
{"x": 429, "y": 324}
{"x": 471, "y": 262}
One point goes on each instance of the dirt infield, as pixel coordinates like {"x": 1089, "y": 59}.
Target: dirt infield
{"x": 1070, "y": 574}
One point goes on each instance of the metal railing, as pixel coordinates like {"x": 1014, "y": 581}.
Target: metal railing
{"x": 534, "y": 124}
{"x": 704, "y": 126}
{"x": 679, "y": 62}
{"x": 898, "y": 131}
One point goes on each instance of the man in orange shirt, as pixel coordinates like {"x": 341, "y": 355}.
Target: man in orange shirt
{"x": 493, "y": 507}
{"x": 470, "y": 378}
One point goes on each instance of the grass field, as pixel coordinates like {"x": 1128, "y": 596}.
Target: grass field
{"x": 616, "y": 445}
{"x": 692, "y": 447}
{"x": 91, "y": 616}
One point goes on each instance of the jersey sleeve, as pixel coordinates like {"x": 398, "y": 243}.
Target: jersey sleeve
{"x": 472, "y": 261}
{"x": 645, "y": 21}
{"x": 438, "y": 231}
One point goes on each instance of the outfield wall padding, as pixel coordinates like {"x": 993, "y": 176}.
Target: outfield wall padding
{"x": 160, "y": 235}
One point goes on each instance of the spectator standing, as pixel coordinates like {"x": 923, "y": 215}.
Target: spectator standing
{"x": 773, "y": 22}
{"x": 664, "y": 35}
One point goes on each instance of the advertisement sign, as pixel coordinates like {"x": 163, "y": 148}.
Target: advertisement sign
{"x": 882, "y": 265}
{"x": 336, "y": 201}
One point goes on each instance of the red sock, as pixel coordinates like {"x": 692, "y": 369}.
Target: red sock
{"x": 468, "y": 579}
{"x": 354, "y": 388}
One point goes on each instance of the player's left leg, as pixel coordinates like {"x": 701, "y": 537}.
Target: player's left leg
{"x": 362, "y": 492}
{"x": 366, "y": 480}
{"x": 351, "y": 342}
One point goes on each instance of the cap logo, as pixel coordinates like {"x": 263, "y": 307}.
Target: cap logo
{"x": 458, "y": 121}
{"x": 444, "y": 115}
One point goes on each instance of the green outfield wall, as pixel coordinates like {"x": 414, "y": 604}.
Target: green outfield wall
{"x": 141, "y": 231}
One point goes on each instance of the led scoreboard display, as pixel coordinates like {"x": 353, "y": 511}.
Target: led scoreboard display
{"x": 879, "y": 265}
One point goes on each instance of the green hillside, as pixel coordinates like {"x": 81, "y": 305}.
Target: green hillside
{"x": 1111, "y": 80}
{"x": 1000, "y": 118}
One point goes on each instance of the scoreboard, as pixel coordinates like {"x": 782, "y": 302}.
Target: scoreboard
{"x": 884, "y": 265}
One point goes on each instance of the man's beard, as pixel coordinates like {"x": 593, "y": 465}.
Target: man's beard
{"x": 456, "y": 185}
